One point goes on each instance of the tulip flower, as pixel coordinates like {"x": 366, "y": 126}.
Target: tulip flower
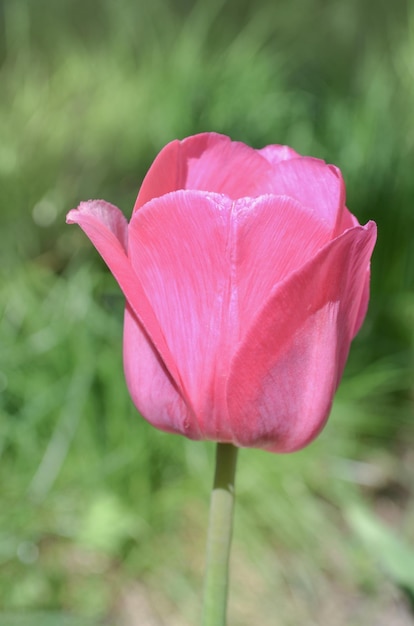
{"x": 246, "y": 278}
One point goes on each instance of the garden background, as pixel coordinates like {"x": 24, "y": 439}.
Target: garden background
{"x": 103, "y": 518}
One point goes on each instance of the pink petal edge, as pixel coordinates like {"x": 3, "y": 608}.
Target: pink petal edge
{"x": 103, "y": 223}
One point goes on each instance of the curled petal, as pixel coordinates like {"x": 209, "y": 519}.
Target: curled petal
{"x": 106, "y": 226}
{"x": 286, "y": 370}
{"x": 104, "y": 219}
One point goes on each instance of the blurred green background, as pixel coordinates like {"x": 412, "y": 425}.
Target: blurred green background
{"x": 103, "y": 518}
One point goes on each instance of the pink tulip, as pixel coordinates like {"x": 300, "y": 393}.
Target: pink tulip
{"x": 245, "y": 278}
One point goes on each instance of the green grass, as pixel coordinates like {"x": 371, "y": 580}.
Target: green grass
{"x": 97, "y": 508}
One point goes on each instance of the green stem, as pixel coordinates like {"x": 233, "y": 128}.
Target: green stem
{"x": 219, "y": 537}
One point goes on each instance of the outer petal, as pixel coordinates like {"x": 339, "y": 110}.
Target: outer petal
{"x": 284, "y": 374}
{"x": 106, "y": 227}
{"x": 152, "y": 389}
{"x": 274, "y": 236}
{"x": 178, "y": 246}
{"x": 207, "y": 162}
{"x": 104, "y": 218}
{"x": 363, "y": 307}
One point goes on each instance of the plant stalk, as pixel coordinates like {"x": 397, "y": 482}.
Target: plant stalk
{"x": 220, "y": 529}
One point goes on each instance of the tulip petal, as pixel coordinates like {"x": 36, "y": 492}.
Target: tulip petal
{"x": 275, "y": 153}
{"x": 106, "y": 227}
{"x": 315, "y": 185}
{"x": 112, "y": 222}
{"x": 179, "y": 248}
{"x": 275, "y": 235}
{"x": 364, "y": 303}
{"x": 151, "y": 388}
{"x": 163, "y": 176}
{"x": 286, "y": 370}
{"x": 207, "y": 162}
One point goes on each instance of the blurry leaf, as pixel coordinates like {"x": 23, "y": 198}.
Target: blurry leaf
{"x": 106, "y": 524}
{"x": 393, "y": 554}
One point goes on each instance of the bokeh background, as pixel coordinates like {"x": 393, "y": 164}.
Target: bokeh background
{"x": 103, "y": 518}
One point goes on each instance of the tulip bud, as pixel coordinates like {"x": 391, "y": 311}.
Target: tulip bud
{"x": 246, "y": 279}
